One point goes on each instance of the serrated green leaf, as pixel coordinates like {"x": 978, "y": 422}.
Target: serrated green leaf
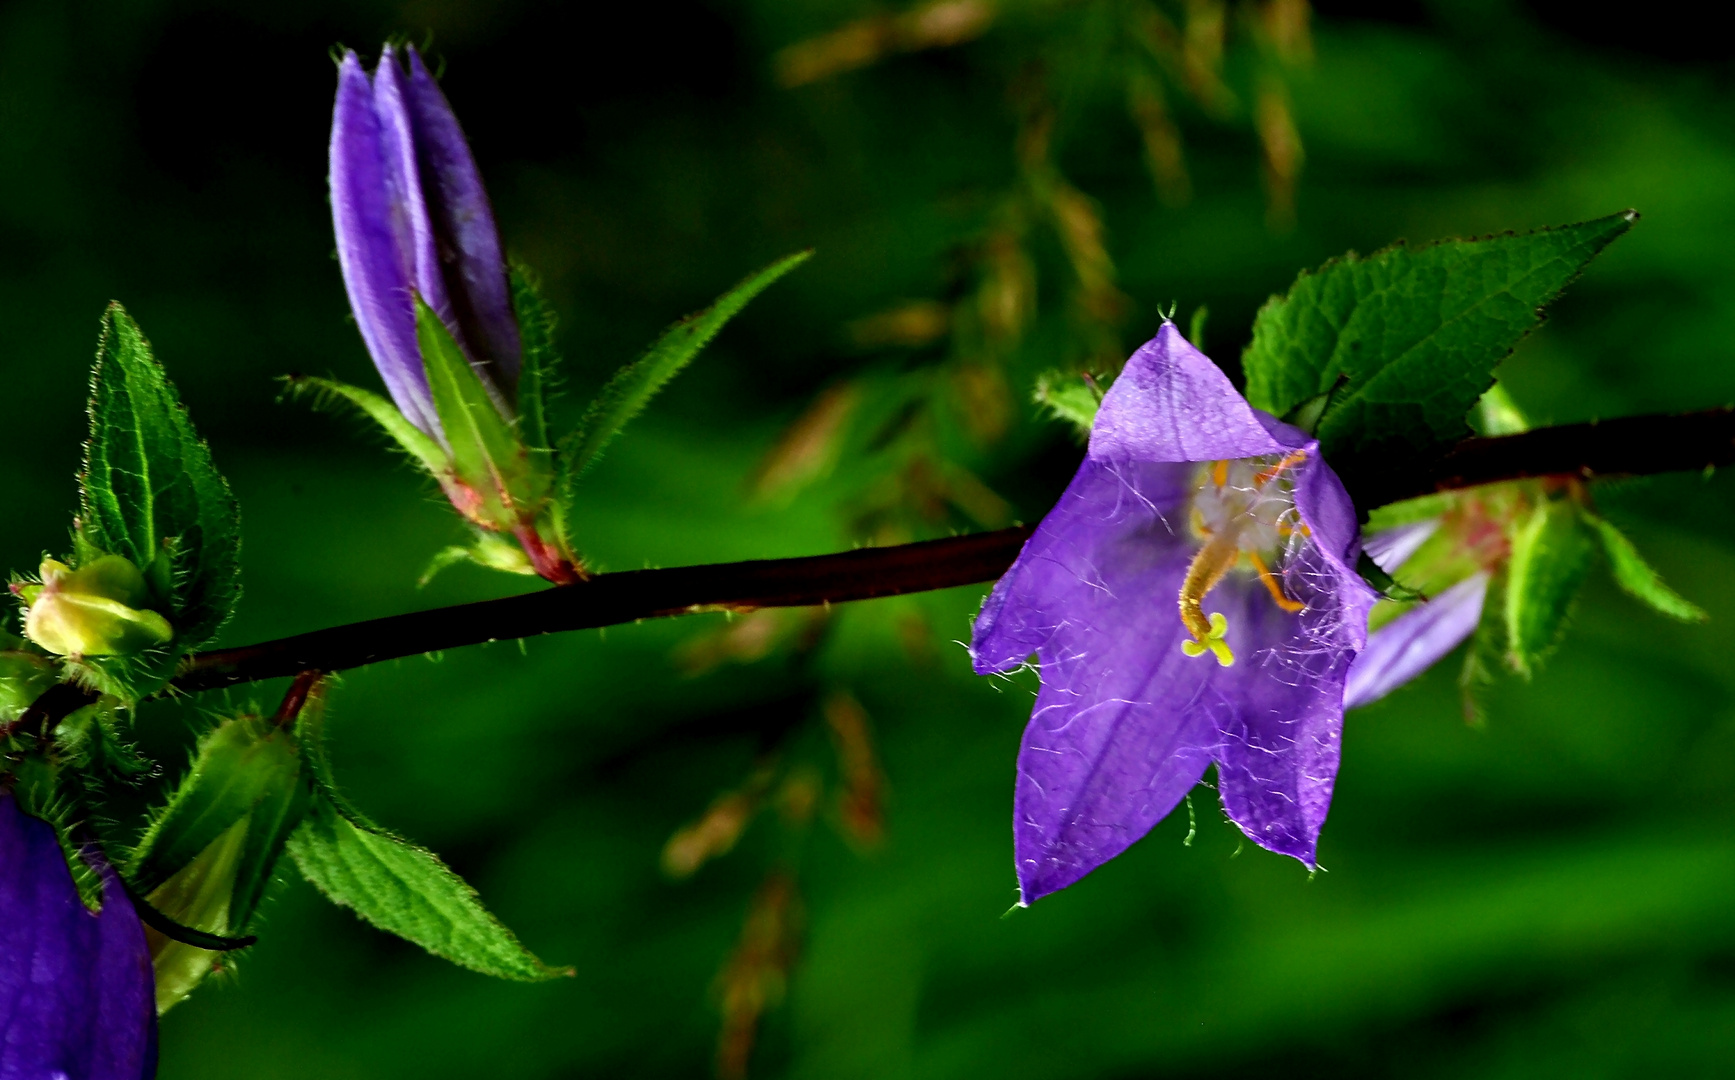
{"x": 626, "y": 395}
{"x": 1550, "y": 554}
{"x": 1635, "y": 575}
{"x": 411, "y": 438}
{"x": 541, "y": 362}
{"x": 395, "y": 885}
{"x": 1412, "y": 334}
{"x": 149, "y": 485}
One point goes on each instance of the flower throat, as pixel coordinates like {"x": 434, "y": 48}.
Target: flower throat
{"x": 1244, "y": 509}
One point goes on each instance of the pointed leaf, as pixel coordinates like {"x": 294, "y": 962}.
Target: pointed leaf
{"x": 149, "y": 484}
{"x": 1409, "y": 338}
{"x": 1634, "y": 574}
{"x": 1550, "y": 554}
{"x": 633, "y": 386}
{"x": 541, "y": 362}
{"x": 411, "y": 438}
{"x": 395, "y": 885}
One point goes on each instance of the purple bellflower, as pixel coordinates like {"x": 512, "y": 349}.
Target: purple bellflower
{"x": 1192, "y": 599}
{"x": 413, "y": 219}
{"x": 76, "y": 997}
{"x": 416, "y": 235}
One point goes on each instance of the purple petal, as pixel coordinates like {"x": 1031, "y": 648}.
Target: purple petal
{"x": 1392, "y": 548}
{"x": 472, "y": 264}
{"x": 1414, "y": 641}
{"x": 1171, "y": 403}
{"x": 375, "y": 240}
{"x": 1280, "y": 717}
{"x": 1110, "y": 748}
{"x": 76, "y": 989}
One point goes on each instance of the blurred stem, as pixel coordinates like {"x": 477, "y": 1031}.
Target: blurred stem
{"x": 1631, "y": 446}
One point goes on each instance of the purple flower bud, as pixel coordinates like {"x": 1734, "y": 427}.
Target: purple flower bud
{"x": 412, "y": 218}
{"x": 1192, "y": 600}
{"x": 75, "y": 987}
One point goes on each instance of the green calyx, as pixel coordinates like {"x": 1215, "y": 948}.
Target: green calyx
{"x": 206, "y": 860}
{"x": 98, "y": 609}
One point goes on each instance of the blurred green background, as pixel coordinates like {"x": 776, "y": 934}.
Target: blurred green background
{"x": 1552, "y": 895}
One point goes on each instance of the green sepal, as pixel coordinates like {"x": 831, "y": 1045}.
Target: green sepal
{"x": 541, "y": 362}
{"x": 1069, "y": 397}
{"x": 150, "y": 492}
{"x": 626, "y": 395}
{"x": 490, "y": 550}
{"x": 245, "y": 780}
{"x": 414, "y": 441}
{"x": 1413, "y": 334}
{"x": 1551, "y": 551}
{"x": 1383, "y": 583}
{"x": 1632, "y": 573}
{"x": 397, "y": 886}
{"x": 486, "y": 455}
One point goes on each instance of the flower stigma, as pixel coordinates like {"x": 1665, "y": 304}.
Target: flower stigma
{"x": 1244, "y": 511}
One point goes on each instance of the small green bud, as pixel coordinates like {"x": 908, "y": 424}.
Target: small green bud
{"x": 96, "y": 610}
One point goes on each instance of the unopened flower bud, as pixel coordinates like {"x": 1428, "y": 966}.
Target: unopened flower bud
{"x": 96, "y": 610}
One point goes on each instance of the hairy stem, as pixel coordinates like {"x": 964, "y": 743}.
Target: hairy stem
{"x": 1630, "y": 446}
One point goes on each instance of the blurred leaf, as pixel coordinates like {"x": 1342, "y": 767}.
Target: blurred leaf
{"x": 149, "y": 485}
{"x": 411, "y": 438}
{"x": 1550, "y": 554}
{"x": 1634, "y": 574}
{"x": 395, "y": 885}
{"x": 633, "y": 386}
{"x": 1414, "y": 335}
{"x": 541, "y": 362}
{"x": 1070, "y": 398}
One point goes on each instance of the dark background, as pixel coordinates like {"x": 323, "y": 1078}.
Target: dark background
{"x": 1550, "y": 895}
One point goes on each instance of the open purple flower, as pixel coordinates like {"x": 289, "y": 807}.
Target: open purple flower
{"x": 1192, "y": 599}
{"x": 413, "y": 219}
{"x": 76, "y": 997}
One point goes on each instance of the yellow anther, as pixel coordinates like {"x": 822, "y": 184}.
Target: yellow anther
{"x": 1220, "y": 473}
{"x": 1265, "y": 476}
{"x": 1213, "y": 642}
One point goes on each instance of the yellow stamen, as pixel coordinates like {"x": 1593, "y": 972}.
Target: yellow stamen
{"x": 1265, "y": 476}
{"x": 1220, "y": 473}
{"x": 1272, "y": 585}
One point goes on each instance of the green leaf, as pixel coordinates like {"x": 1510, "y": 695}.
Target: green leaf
{"x": 149, "y": 486}
{"x": 626, "y": 395}
{"x": 1634, "y": 574}
{"x": 395, "y": 885}
{"x": 411, "y": 438}
{"x": 1070, "y": 398}
{"x": 1407, "y": 339}
{"x": 536, "y": 375}
{"x": 1550, "y": 554}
